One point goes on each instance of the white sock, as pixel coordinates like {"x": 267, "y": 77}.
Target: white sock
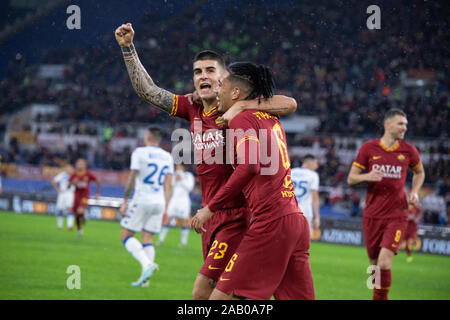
{"x": 163, "y": 234}
{"x": 149, "y": 251}
{"x": 59, "y": 220}
{"x": 70, "y": 220}
{"x": 137, "y": 251}
{"x": 184, "y": 235}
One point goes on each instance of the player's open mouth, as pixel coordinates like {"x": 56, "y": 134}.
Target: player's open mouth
{"x": 205, "y": 86}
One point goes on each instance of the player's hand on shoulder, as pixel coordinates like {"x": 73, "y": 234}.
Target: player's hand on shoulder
{"x": 194, "y": 98}
{"x": 237, "y": 108}
{"x": 124, "y": 35}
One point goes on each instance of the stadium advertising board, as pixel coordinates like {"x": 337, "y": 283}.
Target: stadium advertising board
{"x": 431, "y": 239}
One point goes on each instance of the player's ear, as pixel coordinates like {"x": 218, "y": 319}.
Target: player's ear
{"x": 235, "y": 93}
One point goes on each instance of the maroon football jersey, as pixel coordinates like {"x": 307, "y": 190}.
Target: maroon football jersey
{"x": 260, "y": 147}
{"x": 386, "y": 198}
{"x": 82, "y": 182}
{"x": 208, "y": 138}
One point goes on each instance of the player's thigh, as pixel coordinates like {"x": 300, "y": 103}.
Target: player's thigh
{"x": 393, "y": 234}
{"x": 259, "y": 264}
{"x": 133, "y": 220}
{"x": 225, "y": 242}
{"x": 153, "y": 218}
{"x": 373, "y": 230}
{"x": 297, "y": 282}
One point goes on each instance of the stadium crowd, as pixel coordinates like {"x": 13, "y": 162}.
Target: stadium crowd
{"x": 323, "y": 56}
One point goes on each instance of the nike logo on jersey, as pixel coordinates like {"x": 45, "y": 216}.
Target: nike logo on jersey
{"x": 376, "y": 157}
{"x": 223, "y": 279}
{"x": 394, "y": 246}
{"x": 213, "y": 268}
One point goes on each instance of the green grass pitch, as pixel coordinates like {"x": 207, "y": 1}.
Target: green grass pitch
{"x": 34, "y": 257}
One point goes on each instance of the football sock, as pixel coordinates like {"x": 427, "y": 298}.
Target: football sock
{"x": 385, "y": 284}
{"x": 70, "y": 220}
{"x": 78, "y": 221}
{"x": 59, "y": 220}
{"x": 184, "y": 235}
{"x": 163, "y": 234}
{"x": 137, "y": 251}
{"x": 149, "y": 251}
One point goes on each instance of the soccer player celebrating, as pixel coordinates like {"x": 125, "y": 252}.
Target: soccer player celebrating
{"x": 151, "y": 173}
{"x": 414, "y": 216}
{"x": 64, "y": 202}
{"x": 227, "y": 227}
{"x": 180, "y": 204}
{"x": 306, "y": 188}
{"x": 82, "y": 179}
{"x": 273, "y": 257}
{"x": 385, "y": 162}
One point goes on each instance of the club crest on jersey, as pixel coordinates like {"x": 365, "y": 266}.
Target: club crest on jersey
{"x": 220, "y": 122}
{"x": 401, "y": 157}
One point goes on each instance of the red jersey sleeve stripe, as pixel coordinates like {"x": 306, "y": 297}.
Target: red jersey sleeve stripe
{"x": 246, "y": 139}
{"x": 174, "y": 106}
{"x": 414, "y": 168}
{"x": 356, "y": 164}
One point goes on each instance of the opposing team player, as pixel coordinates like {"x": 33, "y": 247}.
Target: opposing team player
{"x": 64, "y": 201}
{"x": 306, "y": 188}
{"x": 414, "y": 216}
{"x": 208, "y": 134}
{"x": 82, "y": 179}
{"x": 273, "y": 257}
{"x": 180, "y": 204}
{"x": 151, "y": 178}
{"x": 383, "y": 164}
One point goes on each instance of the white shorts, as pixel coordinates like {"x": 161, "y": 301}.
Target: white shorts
{"x": 64, "y": 201}
{"x": 143, "y": 217}
{"x": 179, "y": 209}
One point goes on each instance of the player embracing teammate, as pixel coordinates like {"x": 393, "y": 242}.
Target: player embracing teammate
{"x": 385, "y": 162}
{"x": 227, "y": 227}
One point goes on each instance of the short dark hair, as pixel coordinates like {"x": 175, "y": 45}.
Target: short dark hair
{"x": 257, "y": 79}
{"x": 393, "y": 112}
{"x": 156, "y": 133}
{"x": 209, "y": 55}
{"x": 308, "y": 157}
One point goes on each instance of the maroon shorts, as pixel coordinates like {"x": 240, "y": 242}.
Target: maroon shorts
{"x": 272, "y": 260}
{"x": 383, "y": 233}
{"x": 411, "y": 230}
{"x": 224, "y": 232}
{"x": 79, "y": 205}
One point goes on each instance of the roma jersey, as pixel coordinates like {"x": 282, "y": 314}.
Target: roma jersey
{"x": 260, "y": 145}
{"x": 208, "y": 138}
{"x": 386, "y": 198}
{"x": 82, "y": 183}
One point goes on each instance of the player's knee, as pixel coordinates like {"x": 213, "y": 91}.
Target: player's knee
{"x": 200, "y": 293}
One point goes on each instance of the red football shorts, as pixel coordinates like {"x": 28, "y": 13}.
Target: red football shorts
{"x": 383, "y": 233}
{"x": 411, "y": 230}
{"x": 79, "y": 205}
{"x": 272, "y": 260}
{"x": 224, "y": 232}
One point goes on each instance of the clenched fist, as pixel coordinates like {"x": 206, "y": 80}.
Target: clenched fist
{"x": 124, "y": 35}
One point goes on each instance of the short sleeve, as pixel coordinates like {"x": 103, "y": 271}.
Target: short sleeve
{"x": 92, "y": 176}
{"x": 414, "y": 161}
{"x": 182, "y": 108}
{"x": 362, "y": 159}
{"x": 134, "y": 165}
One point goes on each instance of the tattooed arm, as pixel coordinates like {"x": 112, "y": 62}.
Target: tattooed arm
{"x": 143, "y": 84}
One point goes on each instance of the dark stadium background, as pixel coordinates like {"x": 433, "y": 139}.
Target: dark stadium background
{"x": 342, "y": 75}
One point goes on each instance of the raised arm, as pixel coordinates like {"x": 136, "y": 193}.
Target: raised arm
{"x": 143, "y": 84}
{"x": 278, "y": 105}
